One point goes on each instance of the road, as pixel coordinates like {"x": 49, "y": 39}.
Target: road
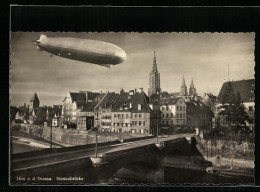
{"x": 56, "y": 158}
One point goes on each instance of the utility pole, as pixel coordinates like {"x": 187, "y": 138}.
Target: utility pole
{"x": 96, "y": 136}
{"x": 51, "y": 135}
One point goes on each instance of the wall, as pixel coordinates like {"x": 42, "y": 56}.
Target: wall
{"x": 226, "y": 148}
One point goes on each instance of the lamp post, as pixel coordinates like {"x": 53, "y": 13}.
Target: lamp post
{"x": 51, "y": 135}
{"x": 96, "y": 147}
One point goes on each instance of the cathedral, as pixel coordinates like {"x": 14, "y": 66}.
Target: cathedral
{"x": 184, "y": 92}
{"x": 154, "y": 80}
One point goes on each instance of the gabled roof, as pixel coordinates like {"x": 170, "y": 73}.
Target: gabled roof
{"x": 54, "y": 110}
{"x": 155, "y": 97}
{"x": 142, "y": 99}
{"x": 211, "y": 97}
{"x": 175, "y": 94}
{"x": 244, "y": 87}
{"x": 78, "y": 97}
{"x": 125, "y": 101}
{"x": 170, "y": 101}
{"x": 90, "y": 106}
{"x": 35, "y": 98}
{"x": 109, "y": 100}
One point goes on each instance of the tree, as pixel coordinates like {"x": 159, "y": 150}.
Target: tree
{"x": 233, "y": 112}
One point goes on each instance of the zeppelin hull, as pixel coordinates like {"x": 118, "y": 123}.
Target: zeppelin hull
{"x": 90, "y": 51}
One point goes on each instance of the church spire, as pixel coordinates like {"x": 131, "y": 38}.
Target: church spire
{"x": 191, "y": 84}
{"x": 154, "y": 83}
{"x": 154, "y": 63}
{"x": 183, "y": 87}
{"x": 183, "y": 82}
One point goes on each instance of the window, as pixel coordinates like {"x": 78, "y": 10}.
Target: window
{"x": 167, "y": 108}
{"x": 250, "y": 108}
{"x": 177, "y": 108}
{"x": 177, "y": 115}
{"x": 162, "y": 115}
{"x": 139, "y": 107}
{"x": 126, "y": 115}
{"x": 162, "y": 122}
{"x": 166, "y": 122}
{"x": 180, "y": 108}
{"x": 122, "y": 115}
{"x": 162, "y": 108}
{"x": 180, "y": 115}
{"x": 171, "y": 114}
{"x": 135, "y": 115}
{"x": 183, "y": 108}
{"x": 183, "y": 115}
{"x": 140, "y": 115}
{"x": 171, "y": 122}
{"x": 167, "y": 115}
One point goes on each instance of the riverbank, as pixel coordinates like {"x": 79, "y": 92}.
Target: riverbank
{"x": 23, "y": 142}
{"x": 229, "y": 158}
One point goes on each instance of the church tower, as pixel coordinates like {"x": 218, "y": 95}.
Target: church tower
{"x": 192, "y": 91}
{"x": 34, "y": 102}
{"x": 183, "y": 88}
{"x": 154, "y": 87}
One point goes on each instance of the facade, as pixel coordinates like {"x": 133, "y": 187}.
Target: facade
{"x": 199, "y": 115}
{"x": 104, "y": 110}
{"x": 154, "y": 84}
{"x": 173, "y": 112}
{"x": 132, "y": 113}
{"x": 72, "y": 105}
{"x": 85, "y": 118}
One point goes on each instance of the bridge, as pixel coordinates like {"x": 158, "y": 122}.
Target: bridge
{"x": 46, "y": 165}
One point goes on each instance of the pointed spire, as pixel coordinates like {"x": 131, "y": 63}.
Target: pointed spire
{"x": 154, "y": 63}
{"x": 191, "y": 84}
{"x": 183, "y": 82}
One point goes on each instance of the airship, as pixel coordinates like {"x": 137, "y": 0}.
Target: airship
{"x": 85, "y": 50}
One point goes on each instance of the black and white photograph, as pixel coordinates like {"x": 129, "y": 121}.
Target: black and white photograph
{"x": 132, "y": 108}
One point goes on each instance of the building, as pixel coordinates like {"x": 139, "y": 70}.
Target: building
{"x": 173, "y": 113}
{"x": 34, "y": 102}
{"x": 199, "y": 115}
{"x": 132, "y": 113}
{"x": 72, "y": 104}
{"x": 185, "y": 94}
{"x": 104, "y": 108}
{"x": 245, "y": 90}
{"x": 85, "y": 118}
{"x": 154, "y": 83}
{"x": 46, "y": 115}
{"x": 22, "y": 115}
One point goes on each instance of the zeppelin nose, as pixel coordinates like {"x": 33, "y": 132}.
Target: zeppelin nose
{"x": 121, "y": 55}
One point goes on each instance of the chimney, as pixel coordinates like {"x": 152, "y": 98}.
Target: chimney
{"x": 140, "y": 90}
{"x": 131, "y": 92}
{"x": 130, "y": 105}
{"x": 135, "y": 90}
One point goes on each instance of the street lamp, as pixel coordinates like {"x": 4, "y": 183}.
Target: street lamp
{"x": 51, "y": 135}
{"x": 96, "y": 134}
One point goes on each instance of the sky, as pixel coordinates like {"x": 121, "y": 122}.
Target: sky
{"x": 203, "y": 57}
